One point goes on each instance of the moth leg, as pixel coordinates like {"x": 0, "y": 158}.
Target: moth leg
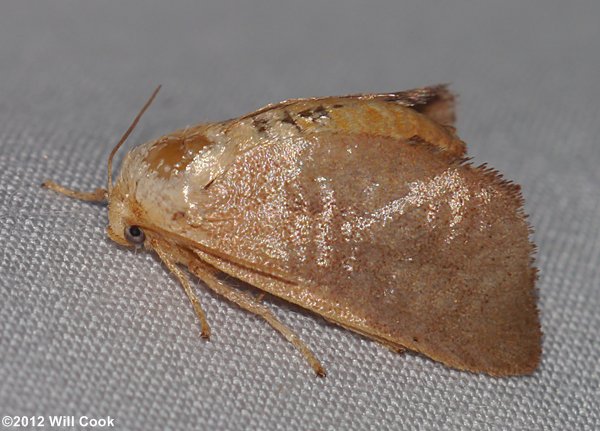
{"x": 185, "y": 283}
{"x": 247, "y": 302}
{"x": 98, "y": 195}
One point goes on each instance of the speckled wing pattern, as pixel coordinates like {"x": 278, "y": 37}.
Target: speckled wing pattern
{"x": 363, "y": 210}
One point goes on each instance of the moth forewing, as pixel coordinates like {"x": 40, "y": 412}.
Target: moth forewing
{"x": 393, "y": 239}
{"x": 358, "y": 208}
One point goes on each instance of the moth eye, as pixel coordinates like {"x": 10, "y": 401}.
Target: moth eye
{"x": 134, "y": 235}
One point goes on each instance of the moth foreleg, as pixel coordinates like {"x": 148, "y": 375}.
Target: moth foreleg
{"x": 185, "y": 283}
{"x": 247, "y": 302}
{"x": 98, "y": 195}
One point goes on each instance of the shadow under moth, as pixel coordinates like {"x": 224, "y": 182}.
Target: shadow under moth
{"x": 362, "y": 209}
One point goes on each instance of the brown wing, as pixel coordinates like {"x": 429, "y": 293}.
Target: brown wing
{"x": 392, "y": 238}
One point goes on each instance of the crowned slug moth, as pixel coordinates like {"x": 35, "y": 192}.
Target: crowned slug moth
{"x": 362, "y": 209}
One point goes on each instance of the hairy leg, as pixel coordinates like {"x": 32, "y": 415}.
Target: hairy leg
{"x": 172, "y": 266}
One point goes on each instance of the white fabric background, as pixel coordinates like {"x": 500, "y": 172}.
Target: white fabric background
{"x": 89, "y": 328}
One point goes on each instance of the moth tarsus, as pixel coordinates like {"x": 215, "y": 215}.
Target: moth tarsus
{"x": 363, "y": 209}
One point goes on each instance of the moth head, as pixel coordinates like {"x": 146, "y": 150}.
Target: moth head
{"x": 123, "y": 224}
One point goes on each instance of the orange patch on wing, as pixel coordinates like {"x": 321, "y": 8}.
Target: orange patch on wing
{"x": 173, "y": 153}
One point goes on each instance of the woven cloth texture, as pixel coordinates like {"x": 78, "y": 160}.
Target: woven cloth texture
{"x": 90, "y": 328}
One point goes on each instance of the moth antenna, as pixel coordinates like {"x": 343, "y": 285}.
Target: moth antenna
{"x": 101, "y": 195}
{"x": 126, "y": 135}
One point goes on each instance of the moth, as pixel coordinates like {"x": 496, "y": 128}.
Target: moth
{"x": 362, "y": 209}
